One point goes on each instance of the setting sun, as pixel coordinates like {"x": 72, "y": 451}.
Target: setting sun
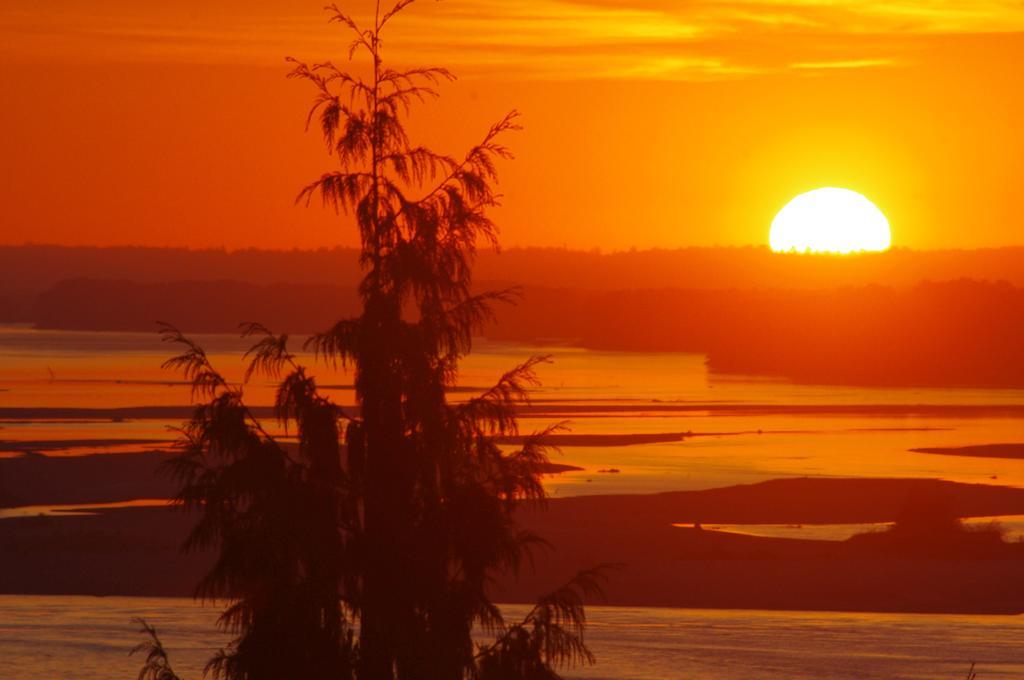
{"x": 830, "y": 220}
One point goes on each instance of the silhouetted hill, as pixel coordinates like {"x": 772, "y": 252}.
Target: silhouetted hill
{"x": 958, "y": 333}
{"x": 207, "y": 306}
{"x": 750, "y": 311}
{"x": 29, "y": 270}
{"x": 96, "y": 478}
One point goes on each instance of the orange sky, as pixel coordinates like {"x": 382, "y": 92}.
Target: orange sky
{"x": 648, "y": 122}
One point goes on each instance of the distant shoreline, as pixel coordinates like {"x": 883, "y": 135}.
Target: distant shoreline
{"x": 1008, "y": 451}
{"x": 894, "y": 319}
{"x": 639, "y": 407}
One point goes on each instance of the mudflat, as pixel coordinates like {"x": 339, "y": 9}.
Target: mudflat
{"x": 135, "y": 551}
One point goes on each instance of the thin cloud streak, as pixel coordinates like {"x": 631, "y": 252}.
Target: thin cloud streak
{"x": 535, "y": 39}
{"x": 825, "y": 65}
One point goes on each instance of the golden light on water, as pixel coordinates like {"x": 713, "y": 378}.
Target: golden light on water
{"x": 830, "y": 220}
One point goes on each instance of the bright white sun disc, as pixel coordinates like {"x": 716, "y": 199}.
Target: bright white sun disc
{"x": 830, "y": 220}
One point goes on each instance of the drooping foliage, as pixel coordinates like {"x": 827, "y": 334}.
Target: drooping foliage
{"x": 157, "y": 666}
{"x": 273, "y": 513}
{"x": 550, "y": 634}
{"x": 389, "y": 519}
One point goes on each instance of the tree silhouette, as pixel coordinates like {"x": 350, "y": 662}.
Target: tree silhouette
{"x": 391, "y": 519}
{"x": 277, "y": 517}
{"x": 551, "y": 633}
{"x": 157, "y": 666}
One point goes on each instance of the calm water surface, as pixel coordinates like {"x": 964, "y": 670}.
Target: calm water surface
{"x": 89, "y": 639}
{"x": 76, "y": 369}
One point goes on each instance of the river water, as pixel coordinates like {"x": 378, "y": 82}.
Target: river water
{"x": 87, "y": 638}
{"x": 746, "y": 430}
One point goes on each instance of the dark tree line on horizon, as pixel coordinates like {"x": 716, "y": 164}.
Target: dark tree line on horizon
{"x": 365, "y": 550}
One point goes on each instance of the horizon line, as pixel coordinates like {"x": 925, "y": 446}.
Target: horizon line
{"x": 593, "y": 250}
